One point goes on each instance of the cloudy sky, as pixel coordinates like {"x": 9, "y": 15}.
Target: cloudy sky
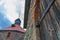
{"x": 9, "y": 11}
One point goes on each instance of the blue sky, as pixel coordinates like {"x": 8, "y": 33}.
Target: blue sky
{"x": 9, "y": 11}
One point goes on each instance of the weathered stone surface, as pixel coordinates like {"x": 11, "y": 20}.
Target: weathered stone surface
{"x": 12, "y": 36}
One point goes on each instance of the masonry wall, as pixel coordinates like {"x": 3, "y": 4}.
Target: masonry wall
{"x": 12, "y": 36}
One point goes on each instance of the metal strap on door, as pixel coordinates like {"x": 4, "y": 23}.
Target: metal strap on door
{"x": 47, "y": 9}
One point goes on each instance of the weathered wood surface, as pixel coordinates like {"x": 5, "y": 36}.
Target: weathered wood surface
{"x": 49, "y": 29}
{"x": 51, "y": 22}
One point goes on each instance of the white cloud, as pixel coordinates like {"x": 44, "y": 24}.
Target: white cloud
{"x": 11, "y": 10}
{"x": 11, "y": 7}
